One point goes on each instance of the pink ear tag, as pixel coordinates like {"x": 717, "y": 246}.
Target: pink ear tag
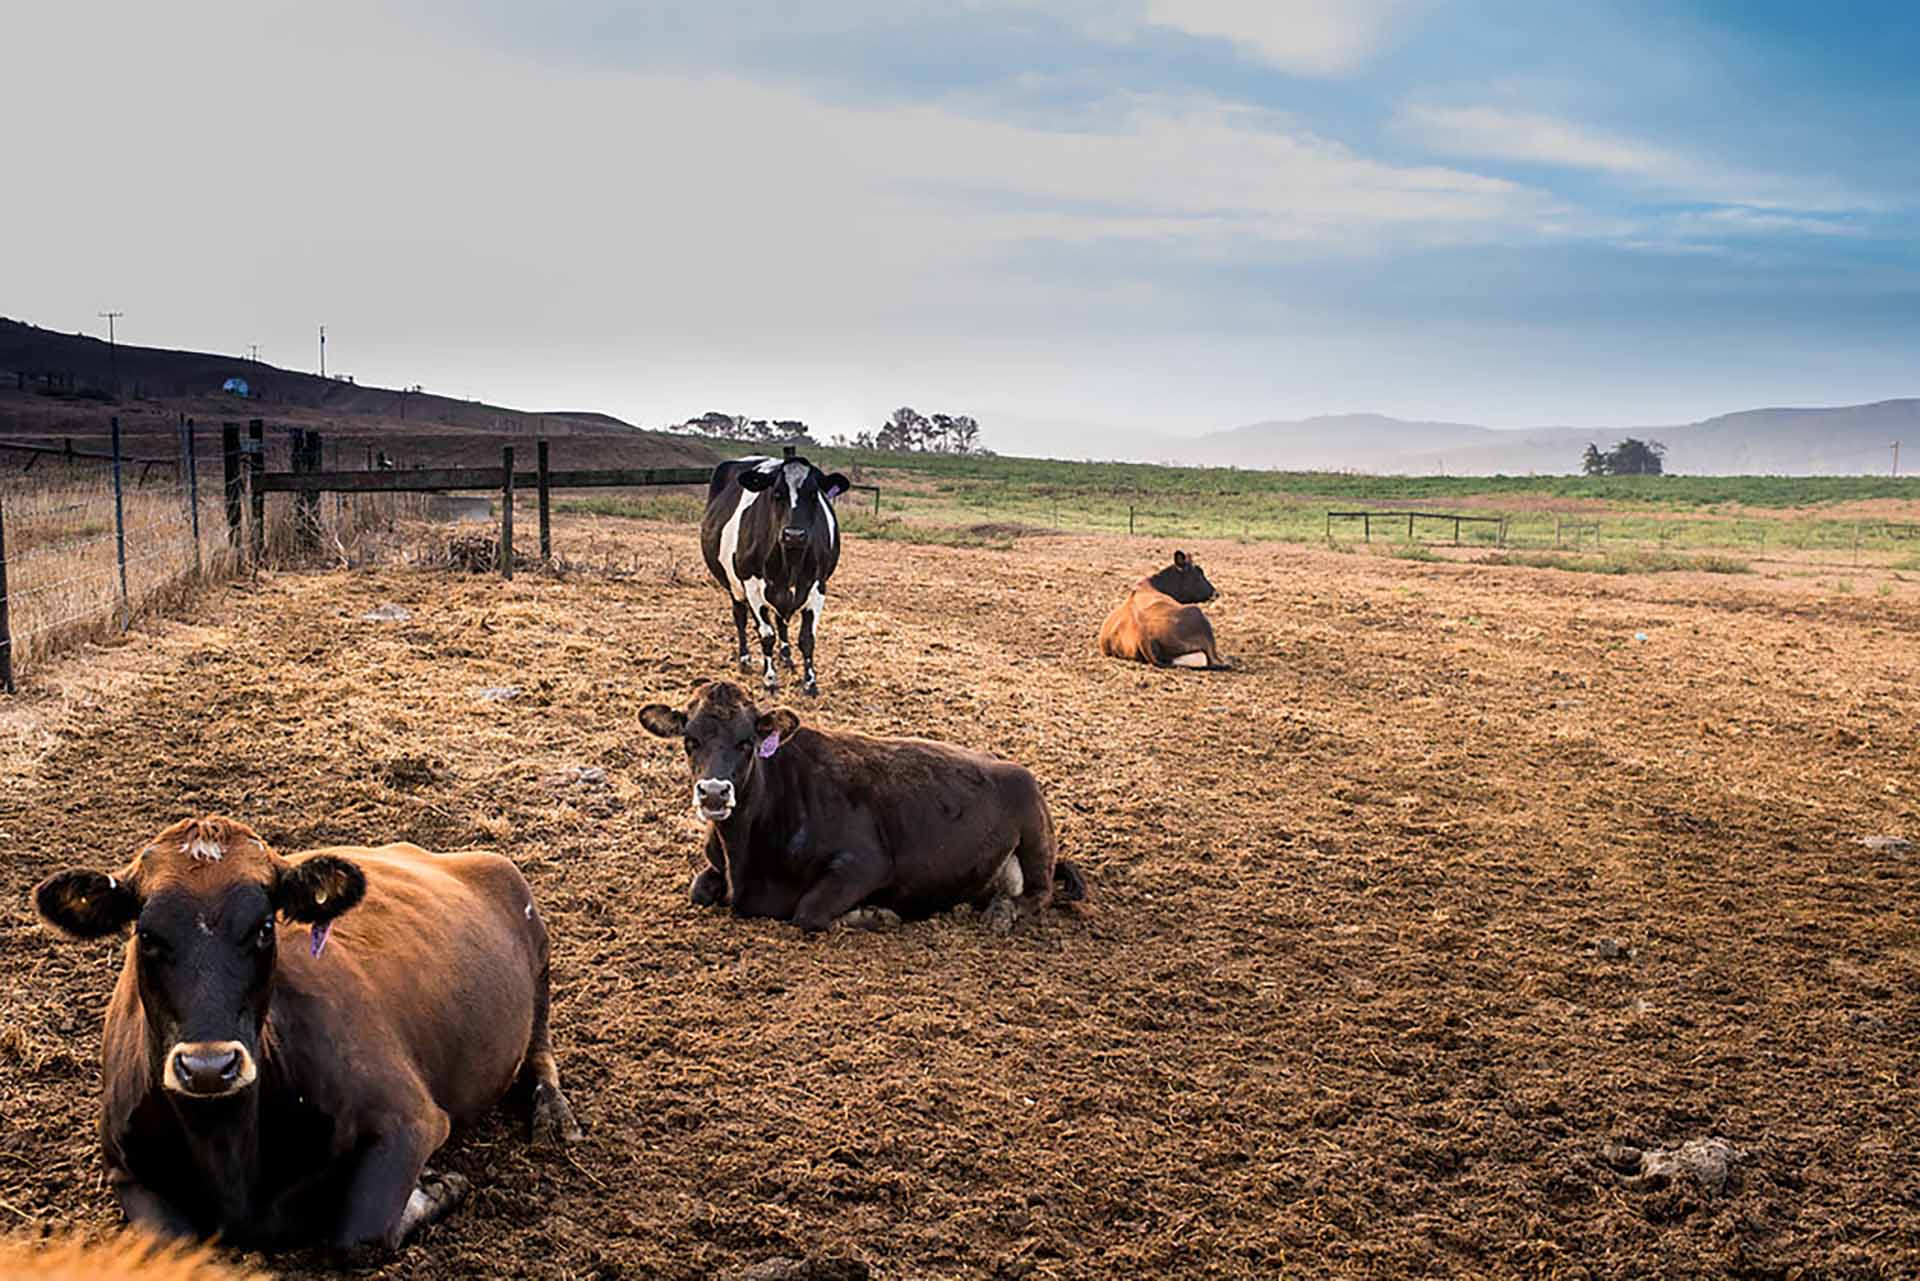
{"x": 319, "y": 943}
{"x": 769, "y": 745}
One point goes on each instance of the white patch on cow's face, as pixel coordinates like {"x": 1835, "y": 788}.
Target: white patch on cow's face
{"x": 246, "y": 1075}
{"x": 714, "y": 799}
{"x": 796, "y": 476}
{"x": 205, "y": 928}
{"x": 205, "y": 850}
{"x": 730, "y": 541}
{"x": 1190, "y": 660}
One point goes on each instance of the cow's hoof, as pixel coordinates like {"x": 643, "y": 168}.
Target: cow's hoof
{"x": 709, "y": 889}
{"x": 773, "y": 684}
{"x": 553, "y": 1124}
{"x": 786, "y": 657}
{"x": 436, "y": 1196}
{"x": 1000, "y": 915}
{"x": 748, "y": 662}
{"x": 812, "y": 687}
{"x": 869, "y": 918}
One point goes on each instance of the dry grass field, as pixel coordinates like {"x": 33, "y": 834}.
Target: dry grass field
{"x": 1467, "y": 873}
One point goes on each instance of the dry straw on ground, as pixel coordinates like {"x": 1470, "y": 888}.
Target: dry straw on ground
{"x": 1395, "y": 930}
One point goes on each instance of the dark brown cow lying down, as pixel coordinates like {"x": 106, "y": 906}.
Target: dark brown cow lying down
{"x": 1160, "y": 620}
{"x": 280, "y": 1095}
{"x": 818, "y": 826}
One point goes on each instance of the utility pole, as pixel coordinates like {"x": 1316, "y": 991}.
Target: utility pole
{"x": 323, "y": 351}
{"x": 113, "y": 359}
{"x": 1896, "y": 458}
{"x": 253, "y": 352}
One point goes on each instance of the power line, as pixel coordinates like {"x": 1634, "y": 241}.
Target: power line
{"x": 113, "y": 359}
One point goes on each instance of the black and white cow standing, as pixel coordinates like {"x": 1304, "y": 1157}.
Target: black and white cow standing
{"x": 770, "y": 538}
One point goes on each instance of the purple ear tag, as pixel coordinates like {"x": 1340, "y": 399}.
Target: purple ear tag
{"x": 319, "y": 943}
{"x": 769, "y": 745}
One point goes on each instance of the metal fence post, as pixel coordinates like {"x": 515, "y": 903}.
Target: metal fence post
{"x": 193, "y": 492}
{"x": 506, "y": 511}
{"x": 546, "y": 525}
{"x": 256, "y": 466}
{"x": 230, "y": 457}
{"x": 6, "y": 621}
{"x": 120, "y": 530}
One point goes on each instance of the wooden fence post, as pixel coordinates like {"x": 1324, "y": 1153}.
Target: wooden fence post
{"x": 546, "y": 521}
{"x": 120, "y": 530}
{"x": 506, "y": 511}
{"x": 6, "y": 620}
{"x": 256, "y": 467}
{"x": 230, "y": 457}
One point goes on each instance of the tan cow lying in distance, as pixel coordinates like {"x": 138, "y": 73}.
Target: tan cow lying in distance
{"x": 1160, "y": 620}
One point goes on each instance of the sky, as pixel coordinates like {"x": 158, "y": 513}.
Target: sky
{"x": 1077, "y": 220}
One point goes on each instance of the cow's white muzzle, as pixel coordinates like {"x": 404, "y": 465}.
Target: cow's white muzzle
{"x": 713, "y": 799}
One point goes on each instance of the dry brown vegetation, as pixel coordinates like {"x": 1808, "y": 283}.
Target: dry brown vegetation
{"x": 1394, "y": 931}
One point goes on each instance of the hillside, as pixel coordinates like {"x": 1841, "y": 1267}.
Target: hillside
{"x": 55, "y": 385}
{"x": 1839, "y": 441}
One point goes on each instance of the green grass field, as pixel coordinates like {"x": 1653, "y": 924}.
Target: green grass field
{"x": 997, "y": 498}
{"x": 1646, "y": 524}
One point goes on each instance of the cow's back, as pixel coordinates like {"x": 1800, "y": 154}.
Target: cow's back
{"x": 442, "y": 956}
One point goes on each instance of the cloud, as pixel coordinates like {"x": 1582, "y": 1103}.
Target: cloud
{"x": 1487, "y": 133}
{"x": 1307, "y": 37}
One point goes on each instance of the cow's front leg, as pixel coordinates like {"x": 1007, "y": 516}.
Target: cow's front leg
{"x": 851, "y": 878}
{"x": 809, "y": 632}
{"x": 740, "y": 633}
{"x": 393, "y": 1195}
{"x": 763, "y": 615}
{"x": 786, "y": 650}
{"x": 149, "y": 1211}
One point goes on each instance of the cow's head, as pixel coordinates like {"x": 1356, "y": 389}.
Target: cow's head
{"x": 201, "y": 897}
{"x": 799, "y": 493}
{"x": 1183, "y": 581}
{"x": 726, "y": 738}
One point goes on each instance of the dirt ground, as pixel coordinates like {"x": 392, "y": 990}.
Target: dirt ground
{"x": 1465, "y": 875}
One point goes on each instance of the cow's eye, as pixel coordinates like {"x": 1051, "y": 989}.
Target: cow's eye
{"x": 153, "y": 947}
{"x": 263, "y": 937}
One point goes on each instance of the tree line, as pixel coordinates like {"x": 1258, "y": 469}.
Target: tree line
{"x": 1630, "y": 457}
{"x": 906, "y": 430}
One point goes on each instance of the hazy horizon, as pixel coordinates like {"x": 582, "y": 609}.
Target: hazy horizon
{"x": 1162, "y": 217}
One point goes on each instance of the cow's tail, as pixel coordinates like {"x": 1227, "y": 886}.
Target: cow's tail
{"x": 1069, "y": 885}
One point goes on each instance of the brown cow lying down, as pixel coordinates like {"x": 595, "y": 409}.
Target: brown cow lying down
{"x": 820, "y": 826}
{"x": 289, "y": 1095}
{"x": 131, "y": 1256}
{"x": 1160, "y": 620}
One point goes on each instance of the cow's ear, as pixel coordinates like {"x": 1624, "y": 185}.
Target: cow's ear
{"x": 835, "y": 485}
{"x": 86, "y": 904}
{"x": 753, "y": 480}
{"x": 662, "y": 721}
{"x": 773, "y": 727}
{"x": 319, "y": 888}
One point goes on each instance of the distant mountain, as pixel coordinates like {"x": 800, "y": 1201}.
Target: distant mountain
{"x": 1838, "y": 441}
{"x": 1333, "y": 442}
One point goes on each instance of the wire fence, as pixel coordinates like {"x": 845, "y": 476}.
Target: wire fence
{"x": 85, "y": 550}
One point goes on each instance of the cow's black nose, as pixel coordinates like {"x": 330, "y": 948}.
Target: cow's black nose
{"x": 793, "y": 537}
{"x": 208, "y": 1072}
